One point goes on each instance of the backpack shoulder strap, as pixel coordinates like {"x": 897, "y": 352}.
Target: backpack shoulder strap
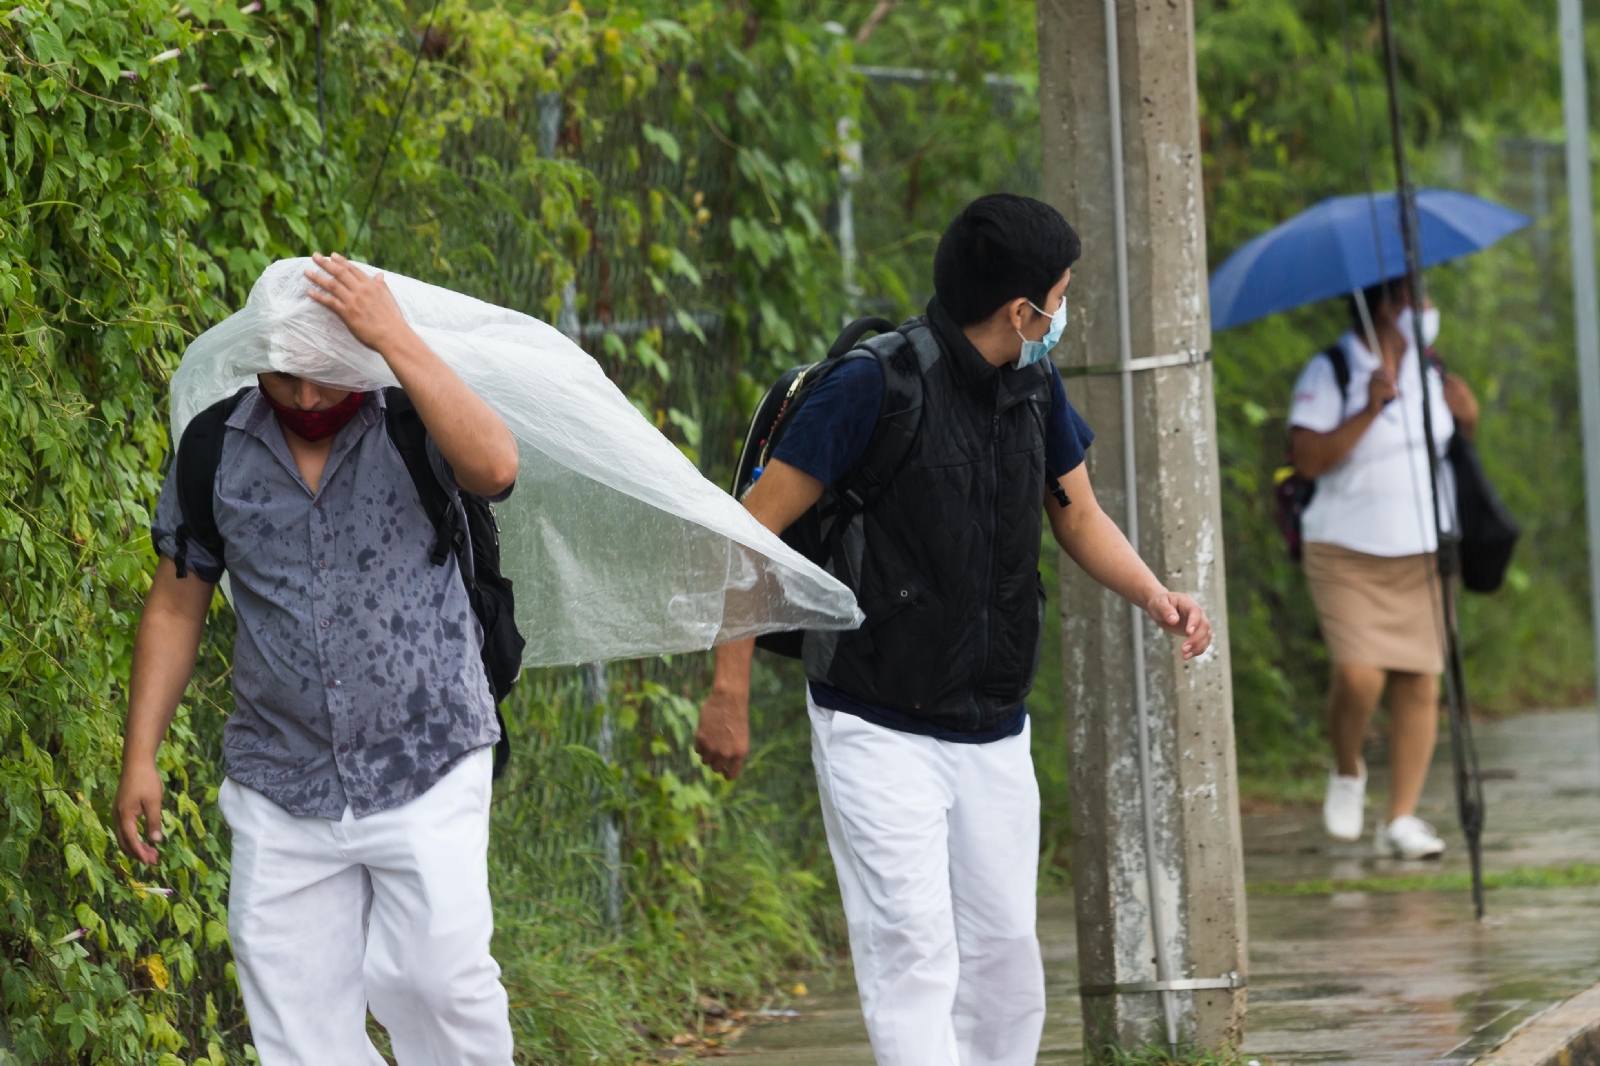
{"x": 851, "y": 335}
{"x": 199, "y": 456}
{"x": 903, "y": 355}
{"x": 1341, "y": 369}
{"x": 410, "y": 438}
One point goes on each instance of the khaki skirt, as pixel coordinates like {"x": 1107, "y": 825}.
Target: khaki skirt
{"x": 1377, "y": 610}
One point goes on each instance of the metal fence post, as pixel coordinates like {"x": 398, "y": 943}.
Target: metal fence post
{"x": 1585, "y": 312}
{"x": 595, "y": 694}
{"x": 595, "y": 686}
{"x": 849, "y": 174}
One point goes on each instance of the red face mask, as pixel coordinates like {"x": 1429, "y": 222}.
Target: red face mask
{"x": 316, "y": 425}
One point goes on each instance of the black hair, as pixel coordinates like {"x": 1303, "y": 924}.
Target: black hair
{"x": 1392, "y": 289}
{"x": 998, "y": 248}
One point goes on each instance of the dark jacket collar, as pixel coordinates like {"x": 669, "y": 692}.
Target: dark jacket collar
{"x": 1007, "y": 384}
{"x": 972, "y": 369}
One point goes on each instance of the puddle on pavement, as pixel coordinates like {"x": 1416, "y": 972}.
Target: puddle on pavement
{"x": 1381, "y": 979}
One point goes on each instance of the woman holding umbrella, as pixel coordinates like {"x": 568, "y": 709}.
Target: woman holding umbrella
{"x": 1369, "y": 551}
{"x": 1370, "y": 522}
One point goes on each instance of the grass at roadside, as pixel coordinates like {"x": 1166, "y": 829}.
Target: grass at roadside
{"x": 1575, "y": 876}
{"x": 720, "y": 890}
{"x": 1258, "y": 791}
{"x": 1161, "y": 1056}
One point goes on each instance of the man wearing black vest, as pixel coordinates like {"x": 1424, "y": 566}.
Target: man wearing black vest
{"x": 919, "y": 730}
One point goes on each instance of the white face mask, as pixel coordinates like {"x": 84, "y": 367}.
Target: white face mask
{"x": 1033, "y": 351}
{"x": 1404, "y": 322}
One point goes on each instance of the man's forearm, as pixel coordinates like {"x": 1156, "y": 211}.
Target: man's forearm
{"x": 1096, "y": 543}
{"x": 163, "y": 661}
{"x": 732, "y": 675}
{"x": 1099, "y": 548}
{"x": 466, "y": 429}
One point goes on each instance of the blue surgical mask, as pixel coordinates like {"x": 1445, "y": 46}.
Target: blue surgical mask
{"x": 1033, "y": 351}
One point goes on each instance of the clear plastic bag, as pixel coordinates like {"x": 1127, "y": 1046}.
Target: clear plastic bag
{"x": 618, "y": 547}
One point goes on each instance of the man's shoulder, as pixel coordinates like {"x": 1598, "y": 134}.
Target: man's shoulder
{"x": 857, "y": 370}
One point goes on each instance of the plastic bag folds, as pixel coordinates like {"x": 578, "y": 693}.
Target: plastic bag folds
{"x": 617, "y": 545}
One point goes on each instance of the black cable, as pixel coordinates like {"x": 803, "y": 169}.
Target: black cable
{"x": 399, "y": 114}
{"x": 1464, "y": 751}
{"x": 1361, "y": 133}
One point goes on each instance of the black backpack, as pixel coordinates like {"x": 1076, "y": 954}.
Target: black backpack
{"x": 200, "y": 453}
{"x": 817, "y": 534}
{"x": 1293, "y": 492}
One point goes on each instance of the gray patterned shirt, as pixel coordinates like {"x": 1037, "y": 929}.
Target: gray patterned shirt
{"x": 357, "y": 676}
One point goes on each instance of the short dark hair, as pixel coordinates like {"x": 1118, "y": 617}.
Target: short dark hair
{"x": 1000, "y": 247}
{"x": 1392, "y": 289}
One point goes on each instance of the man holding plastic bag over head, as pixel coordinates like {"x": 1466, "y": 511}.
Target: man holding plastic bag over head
{"x": 359, "y": 754}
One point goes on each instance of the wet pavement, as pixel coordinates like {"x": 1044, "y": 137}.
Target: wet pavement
{"x": 1370, "y": 977}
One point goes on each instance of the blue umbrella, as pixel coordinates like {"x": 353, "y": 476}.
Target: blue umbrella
{"x": 1331, "y": 249}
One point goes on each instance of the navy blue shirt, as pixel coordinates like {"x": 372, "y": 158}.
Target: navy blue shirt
{"x": 828, "y": 437}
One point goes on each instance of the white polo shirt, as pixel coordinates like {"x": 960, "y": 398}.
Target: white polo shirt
{"x": 1377, "y": 500}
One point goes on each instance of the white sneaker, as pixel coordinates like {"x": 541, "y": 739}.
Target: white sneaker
{"x": 1345, "y": 806}
{"x": 1408, "y": 837}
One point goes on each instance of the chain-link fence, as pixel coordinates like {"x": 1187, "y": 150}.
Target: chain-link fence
{"x": 677, "y": 333}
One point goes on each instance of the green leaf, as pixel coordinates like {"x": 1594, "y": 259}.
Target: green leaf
{"x": 666, "y": 142}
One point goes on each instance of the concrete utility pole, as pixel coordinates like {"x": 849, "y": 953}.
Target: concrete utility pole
{"x": 1156, "y": 862}
{"x": 1585, "y": 312}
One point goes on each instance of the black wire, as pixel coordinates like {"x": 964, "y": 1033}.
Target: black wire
{"x": 1361, "y": 134}
{"x": 399, "y": 114}
{"x": 1464, "y": 751}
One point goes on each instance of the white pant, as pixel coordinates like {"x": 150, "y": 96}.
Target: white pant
{"x": 937, "y": 848}
{"x": 391, "y": 910}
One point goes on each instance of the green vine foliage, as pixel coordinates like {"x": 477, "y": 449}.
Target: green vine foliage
{"x": 108, "y": 263}
{"x": 156, "y": 157}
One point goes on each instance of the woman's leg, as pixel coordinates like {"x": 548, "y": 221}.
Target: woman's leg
{"x": 1353, "y": 692}
{"x": 1413, "y": 729}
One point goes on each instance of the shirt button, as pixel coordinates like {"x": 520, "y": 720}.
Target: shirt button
{"x": 322, "y": 564}
{"x": 343, "y": 748}
{"x": 332, "y": 683}
{"x": 324, "y": 623}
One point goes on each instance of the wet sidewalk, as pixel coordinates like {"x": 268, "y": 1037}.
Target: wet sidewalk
{"x": 1364, "y": 974}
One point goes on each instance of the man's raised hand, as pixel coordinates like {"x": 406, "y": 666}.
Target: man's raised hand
{"x": 361, "y": 300}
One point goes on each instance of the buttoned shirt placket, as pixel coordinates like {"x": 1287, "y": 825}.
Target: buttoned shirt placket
{"x": 323, "y": 572}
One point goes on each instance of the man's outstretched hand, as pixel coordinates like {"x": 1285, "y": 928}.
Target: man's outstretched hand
{"x": 361, "y": 300}
{"x": 1181, "y": 614}
{"x": 723, "y": 739}
{"x": 138, "y": 796}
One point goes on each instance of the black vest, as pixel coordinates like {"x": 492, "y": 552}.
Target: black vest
{"x": 945, "y": 563}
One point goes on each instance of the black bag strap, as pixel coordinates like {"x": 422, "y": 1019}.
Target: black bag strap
{"x": 199, "y": 456}
{"x": 903, "y": 355}
{"x": 1341, "y": 372}
{"x": 410, "y": 438}
{"x": 851, "y": 335}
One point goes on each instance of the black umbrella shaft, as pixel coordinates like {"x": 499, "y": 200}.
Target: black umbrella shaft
{"x": 1469, "y": 800}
